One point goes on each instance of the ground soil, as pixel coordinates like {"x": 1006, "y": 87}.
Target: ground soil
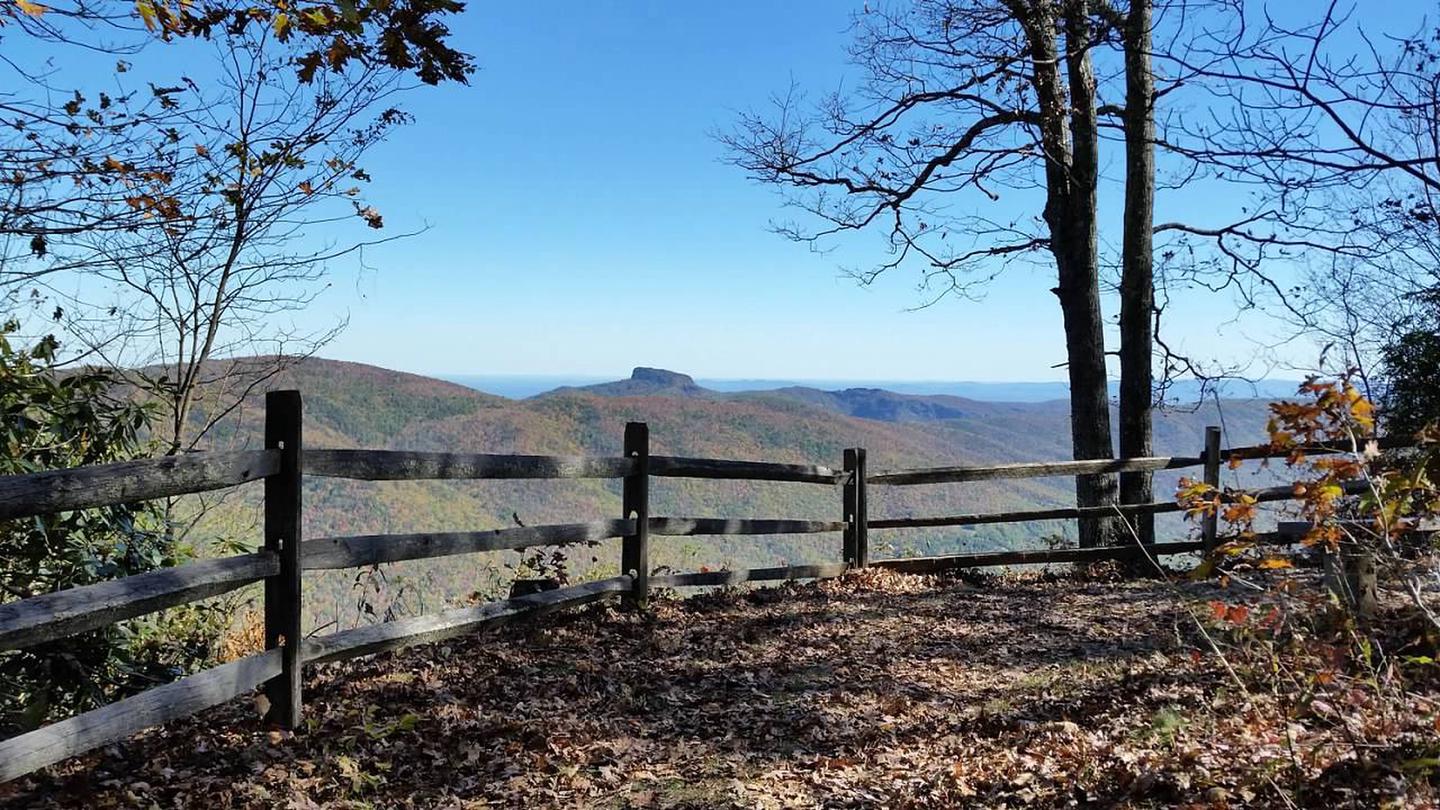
{"x": 875, "y": 690}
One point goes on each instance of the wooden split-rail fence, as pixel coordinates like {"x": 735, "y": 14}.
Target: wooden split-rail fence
{"x": 282, "y": 465}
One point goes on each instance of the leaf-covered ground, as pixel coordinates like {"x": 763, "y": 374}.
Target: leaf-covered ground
{"x": 877, "y": 690}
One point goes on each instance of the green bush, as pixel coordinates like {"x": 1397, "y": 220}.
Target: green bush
{"x": 56, "y": 419}
{"x": 1410, "y": 367}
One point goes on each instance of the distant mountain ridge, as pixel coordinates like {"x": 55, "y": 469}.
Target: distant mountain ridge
{"x": 876, "y": 404}
{"x": 862, "y": 403}
{"x": 523, "y": 386}
{"x": 879, "y": 404}
{"x": 643, "y": 382}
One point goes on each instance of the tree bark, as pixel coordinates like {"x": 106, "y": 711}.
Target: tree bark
{"x": 1137, "y": 277}
{"x": 1070, "y": 211}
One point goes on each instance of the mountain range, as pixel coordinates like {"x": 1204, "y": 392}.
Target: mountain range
{"x": 353, "y": 405}
{"x": 522, "y": 386}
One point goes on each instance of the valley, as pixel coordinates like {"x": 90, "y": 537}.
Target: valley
{"x": 351, "y": 405}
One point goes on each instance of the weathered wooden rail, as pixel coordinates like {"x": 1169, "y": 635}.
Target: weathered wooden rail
{"x": 283, "y": 463}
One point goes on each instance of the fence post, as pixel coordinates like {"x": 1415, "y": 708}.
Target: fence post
{"x": 847, "y": 507}
{"x": 854, "y": 509}
{"x": 1210, "y": 524}
{"x": 635, "y": 501}
{"x": 283, "y": 420}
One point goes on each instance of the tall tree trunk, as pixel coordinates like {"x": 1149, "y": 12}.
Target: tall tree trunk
{"x": 1070, "y": 211}
{"x": 1137, "y": 281}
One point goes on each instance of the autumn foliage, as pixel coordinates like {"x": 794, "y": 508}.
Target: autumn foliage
{"x": 1343, "y": 486}
{"x": 1354, "y": 647}
{"x": 407, "y": 35}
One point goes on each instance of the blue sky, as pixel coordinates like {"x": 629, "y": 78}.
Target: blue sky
{"x": 580, "y": 220}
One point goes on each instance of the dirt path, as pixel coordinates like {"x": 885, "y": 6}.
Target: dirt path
{"x": 875, "y": 690}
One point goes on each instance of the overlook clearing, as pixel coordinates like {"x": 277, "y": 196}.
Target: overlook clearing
{"x": 1143, "y": 214}
{"x": 279, "y": 669}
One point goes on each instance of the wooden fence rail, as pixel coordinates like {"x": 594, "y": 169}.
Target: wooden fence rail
{"x": 1044, "y": 469}
{"x": 685, "y": 527}
{"x": 400, "y": 465}
{"x": 1267, "y": 495}
{"x": 57, "y": 741}
{"x": 735, "y": 577}
{"x": 55, "y": 615}
{"x": 400, "y": 633}
{"x": 1027, "y": 515}
{"x": 53, "y": 491}
{"x": 1040, "y": 469}
{"x": 284, "y": 462}
{"x": 930, "y": 565}
{"x": 1263, "y": 451}
{"x": 372, "y": 549}
{"x": 715, "y": 469}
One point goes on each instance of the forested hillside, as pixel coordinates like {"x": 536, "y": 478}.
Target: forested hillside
{"x": 352, "y": 405}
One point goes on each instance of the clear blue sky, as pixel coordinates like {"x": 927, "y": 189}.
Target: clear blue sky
{"x": 581, "y": 220}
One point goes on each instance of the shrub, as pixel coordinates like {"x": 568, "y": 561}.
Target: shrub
{"x": 1363, "y": 506}
{"x": 52, "y": 419}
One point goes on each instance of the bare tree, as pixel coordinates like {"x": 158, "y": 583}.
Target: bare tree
{"x": 255, "y": 169}
{"x": 171, "y": 230}
{"x": 1137, "y": 275}
{"x": 960, "y": 100}
{"x": 206, "y": 231}
{"x": 65, "y": 149}
{"x": 1336, "y": 133}
{"x": 965, "y": 99}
